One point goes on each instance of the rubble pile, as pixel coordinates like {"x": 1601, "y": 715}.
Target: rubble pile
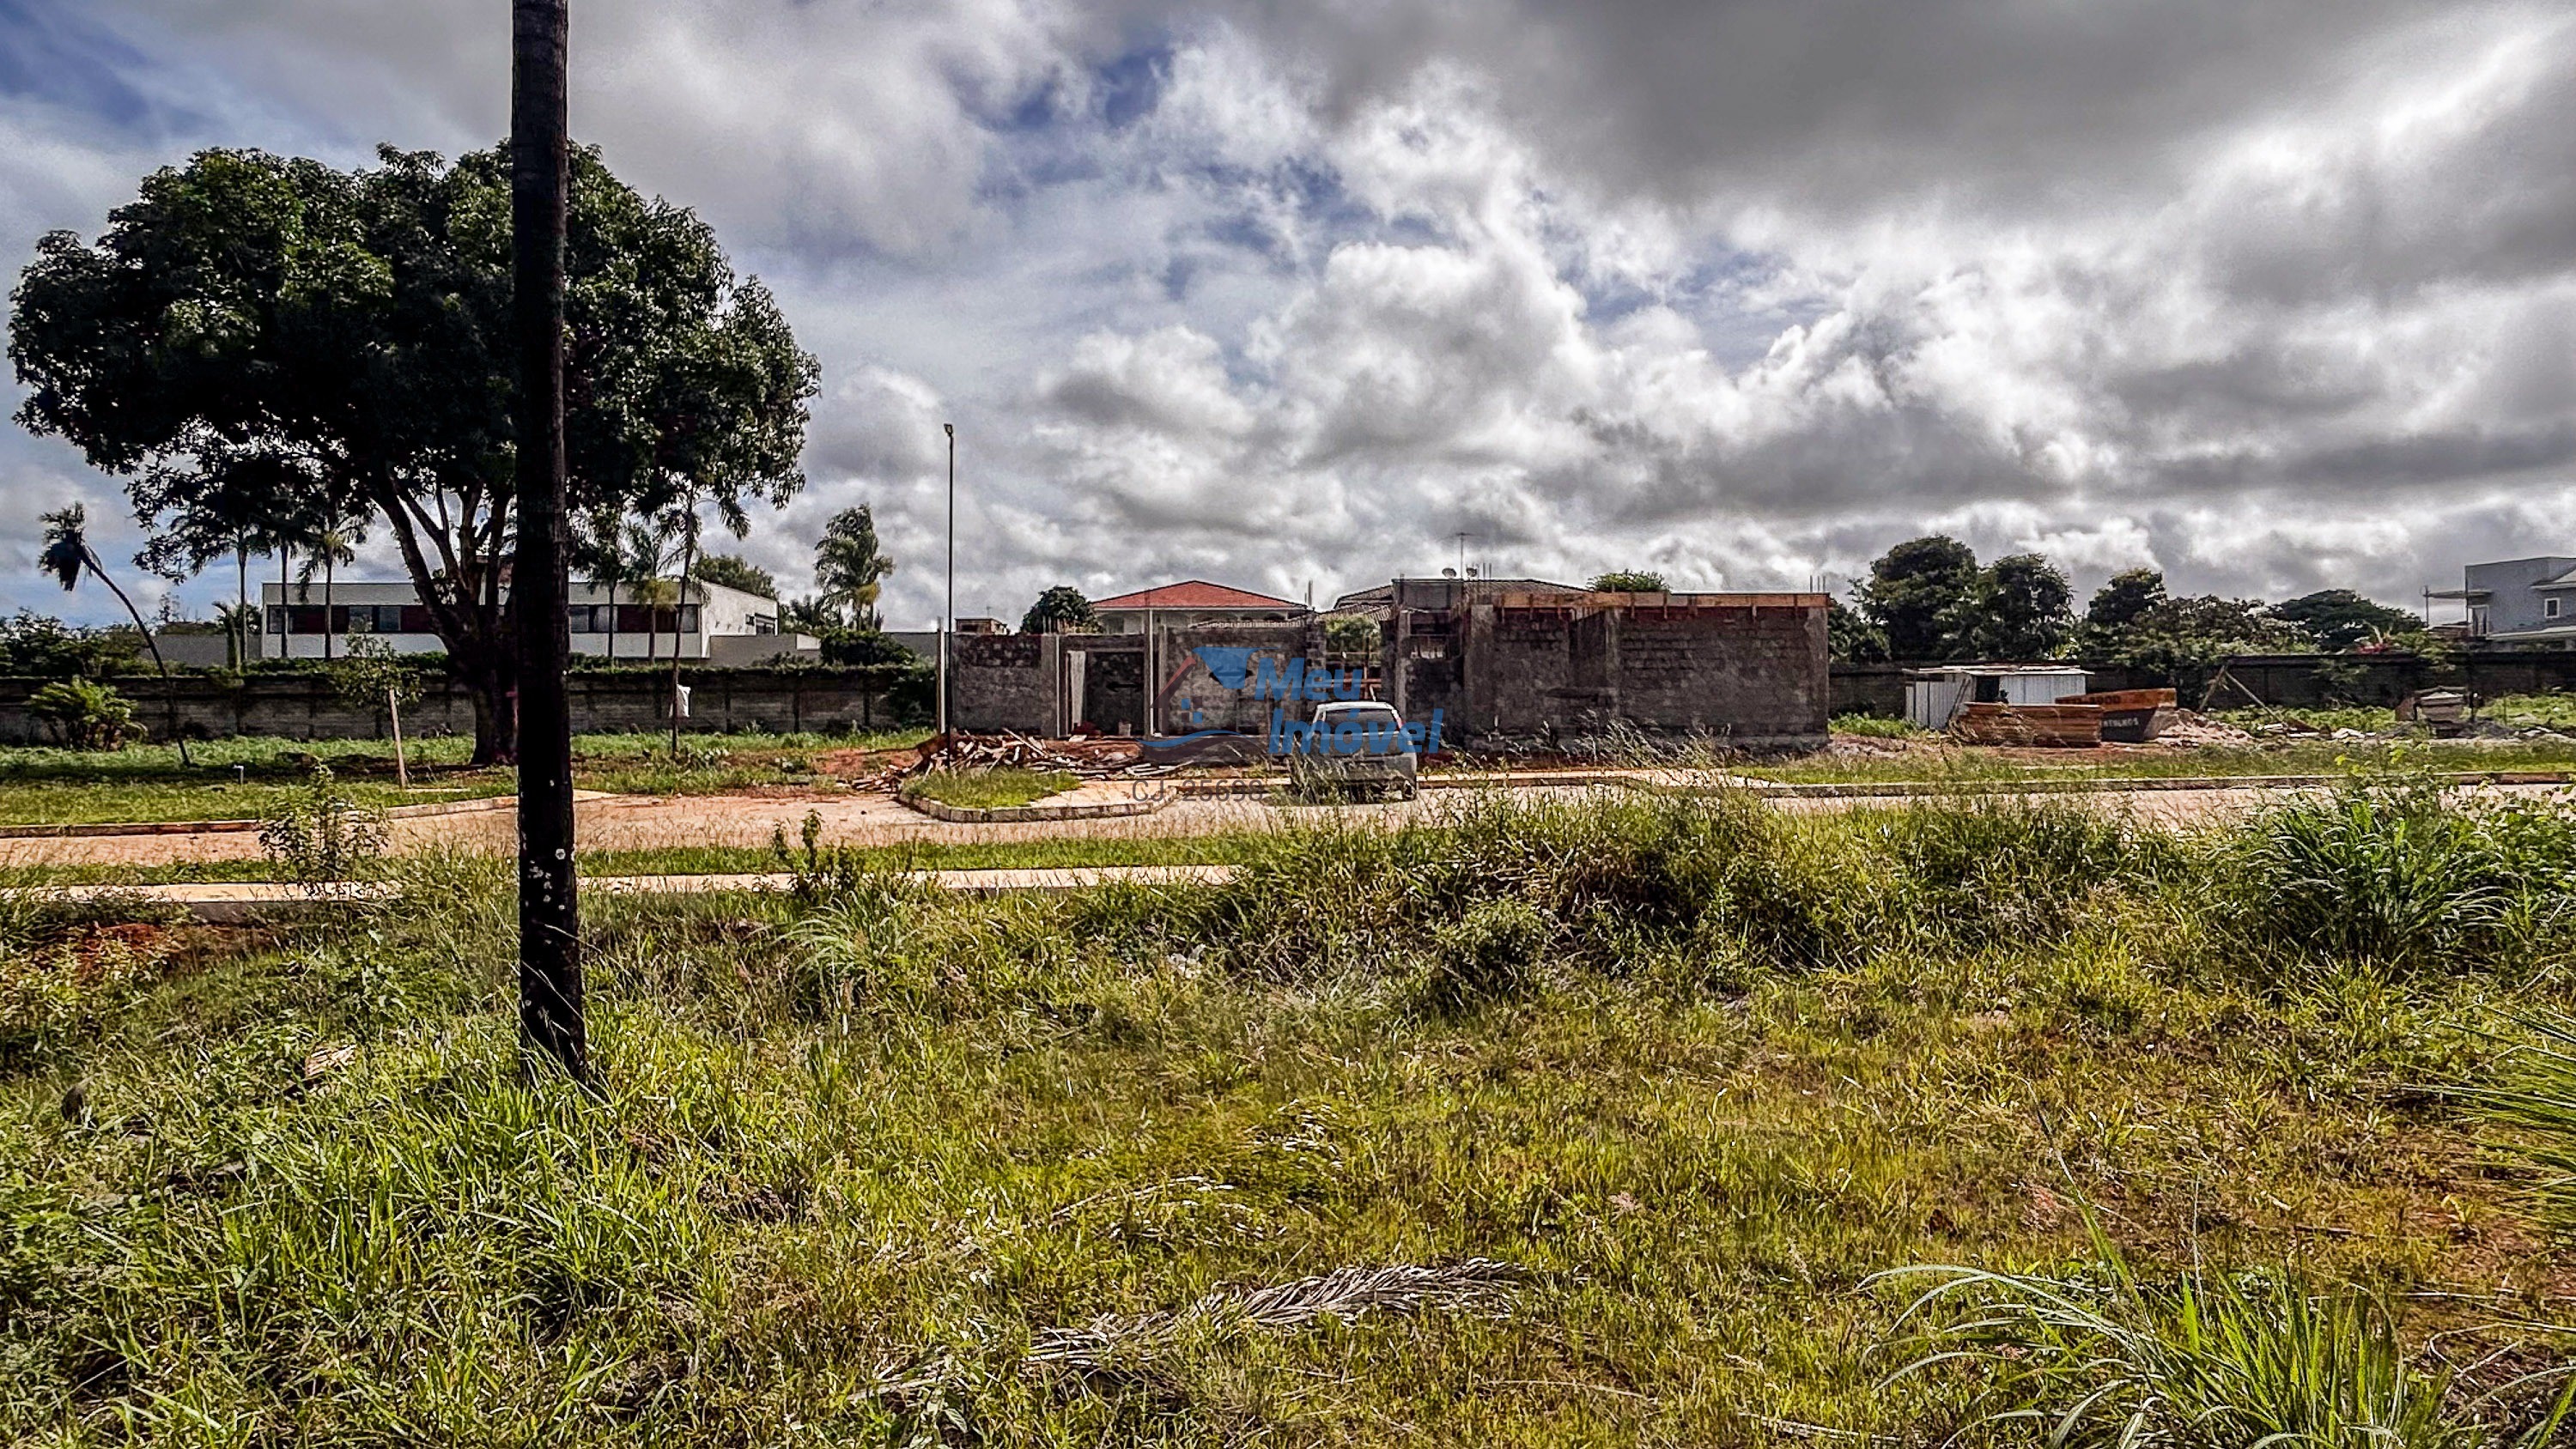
{"x": 1090, "y": 759}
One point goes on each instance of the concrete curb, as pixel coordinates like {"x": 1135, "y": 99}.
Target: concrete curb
{"x": 220, "y": 827}
{"x": 258, "y": 900}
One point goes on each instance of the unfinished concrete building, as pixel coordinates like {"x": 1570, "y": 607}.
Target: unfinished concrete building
{"x": 1748, "y": 669}
{"x": 1500, "y": 668}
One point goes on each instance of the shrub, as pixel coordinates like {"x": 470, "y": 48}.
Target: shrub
{"x": 85, "y": 714}
{"x": 321, "y": 838}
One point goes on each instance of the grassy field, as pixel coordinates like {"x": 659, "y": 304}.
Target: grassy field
{"x": 989, "y": 789}
{"x": 1943, "y": 763}
{"x": 1586, "y": 1122}
{"x": 243, "y": 778}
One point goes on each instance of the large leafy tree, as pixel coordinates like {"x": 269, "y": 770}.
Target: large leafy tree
{"x": 733, "y": 571}
{"x": 2021, "y": 608}
{"x": 1916, "y": 594}
{"x": 268, "y": 347}
{"x": 2340, "y": 619}
{"x": 1060, "y": 610}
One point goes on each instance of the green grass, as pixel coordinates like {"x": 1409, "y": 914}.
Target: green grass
{"x": 888, "y": 1166}
{"x": 989, "y": 789}
{"x": 241, "y": 778}
{"x": 2289, "y": 757}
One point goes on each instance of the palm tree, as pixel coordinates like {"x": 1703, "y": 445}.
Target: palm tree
{"x": 850, "y": 567}
{"x": 647, "y": 552}
{"x": 67, "y": 554}
{"x": 333, "y": 544}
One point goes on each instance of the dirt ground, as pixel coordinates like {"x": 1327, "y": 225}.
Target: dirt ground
{"x": 851, "y": 818}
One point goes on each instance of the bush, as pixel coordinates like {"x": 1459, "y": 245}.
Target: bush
{"x": 85, "y": 714}
{"x": 320, "y": 838}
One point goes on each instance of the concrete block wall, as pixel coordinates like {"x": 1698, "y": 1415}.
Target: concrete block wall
{"x": 305, "y": 706}
{"x": 1013, "y": 681}
{"x": 1747, "y": 667}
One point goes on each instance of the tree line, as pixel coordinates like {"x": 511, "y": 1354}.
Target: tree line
{"x": 1929, "y": 600}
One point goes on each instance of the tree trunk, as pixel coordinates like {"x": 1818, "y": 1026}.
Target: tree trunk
{"x": 550, "y": 984}
{"x": 688, "y": 561}
{"x": 496, "y": 734}
{"x": 612, "y": 621}
{"x": 241, "y": 602}
{"x": 328, "y": 569}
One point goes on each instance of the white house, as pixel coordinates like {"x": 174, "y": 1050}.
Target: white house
{"x": 717, "y": 625}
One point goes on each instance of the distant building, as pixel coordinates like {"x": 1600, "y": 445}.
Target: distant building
{"x": 2518, "y": 601}
{"x": 716, "y": 624}
{"x": 1191, "y": 602}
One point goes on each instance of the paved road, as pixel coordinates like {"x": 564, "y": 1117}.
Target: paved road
{"x": 642, "y": 822}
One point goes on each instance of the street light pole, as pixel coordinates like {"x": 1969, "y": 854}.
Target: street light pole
{"x": 948, "y": 608}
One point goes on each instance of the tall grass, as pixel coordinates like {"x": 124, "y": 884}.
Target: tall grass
{"x": 2206, "y": 1360}
{"x": 2388, "y": 870}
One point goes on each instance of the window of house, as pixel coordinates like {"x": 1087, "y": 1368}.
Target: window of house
{"x": 2549, "y": 608}
{"x": 277, "y": 618}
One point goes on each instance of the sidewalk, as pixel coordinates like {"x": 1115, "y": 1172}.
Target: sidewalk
{"x": 248, "y": 900}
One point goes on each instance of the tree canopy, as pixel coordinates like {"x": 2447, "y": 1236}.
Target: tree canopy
{"x": 2340, "y": 620}
{"x": 1060, "y": 610}
{"x": 733, "y": 571}
{"x": 850, "y": 568}
{"x": 1916, "y": 593}
{"x": 1629, "y": 581}
{"x": 2021, "y": 607}
{"x": 270, "y": 348}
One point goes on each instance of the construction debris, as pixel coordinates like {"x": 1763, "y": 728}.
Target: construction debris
{"x": 1092, "y": 759}
{"x": 2131, "y": 716}
{"x": 2067, "y": 726}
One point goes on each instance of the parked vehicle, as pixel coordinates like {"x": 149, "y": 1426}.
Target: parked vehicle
{"x": 1355, "y": 744}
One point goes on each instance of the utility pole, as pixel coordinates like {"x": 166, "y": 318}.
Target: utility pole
{"x": 948, "y": 608}
{"x": 550, "y": 1005}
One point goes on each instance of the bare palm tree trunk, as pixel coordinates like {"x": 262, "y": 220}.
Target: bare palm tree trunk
{"x": 550, "y": 984}
{"x": 330, "y": 569}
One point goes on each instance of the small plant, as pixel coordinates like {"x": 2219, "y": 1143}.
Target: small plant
{"x": 2103, "y": 1360}
{"x": 84, "y": 714}
{"x": 322, "y": 839}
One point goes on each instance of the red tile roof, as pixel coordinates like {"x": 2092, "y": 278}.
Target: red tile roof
{"x": 1195, "y": 594}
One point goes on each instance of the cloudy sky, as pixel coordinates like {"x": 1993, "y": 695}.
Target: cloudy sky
{"x": 2274, "y": 294}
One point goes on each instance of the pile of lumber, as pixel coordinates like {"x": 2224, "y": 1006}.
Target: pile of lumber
{"x": 2073, "y": 726}
{"x": 2131, "y": 716}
